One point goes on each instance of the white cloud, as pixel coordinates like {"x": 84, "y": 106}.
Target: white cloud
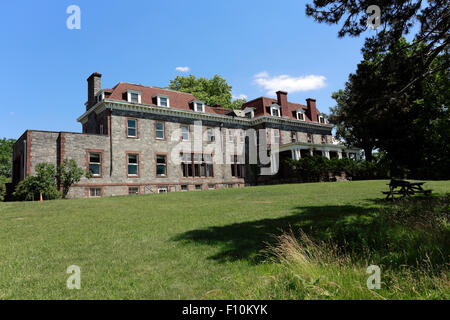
{"x": 288, "y": 83}
{"x": 183, "y": 69}
{"x": 241, "y": 96}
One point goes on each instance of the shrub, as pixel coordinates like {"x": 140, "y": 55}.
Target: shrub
{"x": 43, "y": 182}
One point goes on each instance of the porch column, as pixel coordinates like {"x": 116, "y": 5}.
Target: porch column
{"x": 339, "y": 154}
{"x": 327, "y": 154}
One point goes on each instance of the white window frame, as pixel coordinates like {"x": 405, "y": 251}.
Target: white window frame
{"x": 135, "y": 128}
{"x": 96, "y": 163}
{"x": 210, "y": 135}
{"x": 188, "y": 132}
{"x": 163, "y": 190}
{"x": 95, "y": 192}
{"x": 201, "y": 103}
{"x": 277, "y": 108}
{"x": 163, "y": 130}
{"x": 301, "y": 115}
{"x": 129, "y": 92}
{"x": 100, "y": 97}
{"x": 158, "y": 100}
{"x": 321, "y": 119}
{"x": 133, "y": 164}
{"x": 250, "y": 111}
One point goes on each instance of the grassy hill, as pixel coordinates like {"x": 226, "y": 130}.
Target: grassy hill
{"x": 208, "y": 245}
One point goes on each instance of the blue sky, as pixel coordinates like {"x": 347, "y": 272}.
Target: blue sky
{"x": 255, "y": 45}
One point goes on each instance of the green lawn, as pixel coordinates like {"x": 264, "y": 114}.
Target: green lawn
{"x": 195, "y": 245}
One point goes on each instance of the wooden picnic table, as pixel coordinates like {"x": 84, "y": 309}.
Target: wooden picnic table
{"x": 405, "y": 189}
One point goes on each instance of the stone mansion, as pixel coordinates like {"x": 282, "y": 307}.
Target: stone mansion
{"x": 141, "y": 139}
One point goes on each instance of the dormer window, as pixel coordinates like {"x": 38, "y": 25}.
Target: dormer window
{"x": 301, "y": 115}
{"x": 163, "y": 101}
{"x": 134, "y": 96}
{"x": 321, "y": 119}
{"x": 100, "y": 96}
{"x": 199, "y": 106}
{"x": 275, "y": 110}
{"x": 249, "y": 113}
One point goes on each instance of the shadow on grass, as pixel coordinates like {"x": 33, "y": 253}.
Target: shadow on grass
{"x": 366, "y": 233}
{"x": 244, "y": 241}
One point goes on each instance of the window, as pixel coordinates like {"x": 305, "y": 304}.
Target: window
{"x": 184, "y": 187}
{"x": 242, "y": 136}
{"x": 101, "y": 129}
{"x": 95, "y": 192}
{"x": 199, "y": 106}
{"x": 211, "y": 186}
{"x": 230, "y": 135}
{"x": 100, "y": 97}
{"x": 95, "y": 164}
{"x": 198, "y": 187}
{"x": 210, "y": 135}
{"x": 237, "y": 166}
{"x": 133, "y": 96}
{"x": 249, "y": 113}
{"x": 196, "y": 165}
{"x": 162, "y": 189}
{"x": 301, "y": 115}
{"x": 275, "y": 110}
{"x": 160, "y": 132}
{"x": 310, "y": 138}
{"x": 133, "y": 164}
{"x": 321, "y": 119}
{"x": 133, "y": 190}
{"x": 185, "y": 133}
{"x": 324, "y": 139}
{"x": 163, "y": 101}
{"x": 293, "y": 136}
{"x": 276, "y": 133}
{"x": 161, "y": 165}
{"x": 132, "y": 128}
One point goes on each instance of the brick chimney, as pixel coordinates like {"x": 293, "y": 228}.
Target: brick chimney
{"x": 283, "y": 103}
{"x": 94, "y": 86}
{"x": 312, "y": 111}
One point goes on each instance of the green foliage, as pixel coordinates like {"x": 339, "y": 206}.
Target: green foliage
{"x": 319, "y": 168}
{"x": 212, "y": 91}
{"x": 411, "y": 127}
{"x": 6, "y": 148}
{"x": 43, "y": 182}
{"x": 2, "y": 190}
{"x": 68, "y": 174}
{"x": 48, "y": 180}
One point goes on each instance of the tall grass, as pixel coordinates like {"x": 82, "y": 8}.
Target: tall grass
{"x": 412, "y": 252}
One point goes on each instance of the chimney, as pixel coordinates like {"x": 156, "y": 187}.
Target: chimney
{"x": 283, "y": 103}
{"x": 94, "y": 86}
{"x": 312, "y": 111}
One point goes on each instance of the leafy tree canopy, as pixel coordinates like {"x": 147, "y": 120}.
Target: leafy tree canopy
{"x": 6, "y": 148}
{"x": 397, "y": 19}
{"x": 212, "y": 91}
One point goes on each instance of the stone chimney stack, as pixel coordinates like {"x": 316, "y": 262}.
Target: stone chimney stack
{"x": 283, "y": 103}
{"x": 94, "y": 86}
{"x": 312, "y": 111}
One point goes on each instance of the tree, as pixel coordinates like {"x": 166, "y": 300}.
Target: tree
{"x": 397, "y": 19}
{"x": 68, "y": 174}
{"x": 212, "y": 91}
{"x": 6, "y": 148}
{"x": 373, "y": 112}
